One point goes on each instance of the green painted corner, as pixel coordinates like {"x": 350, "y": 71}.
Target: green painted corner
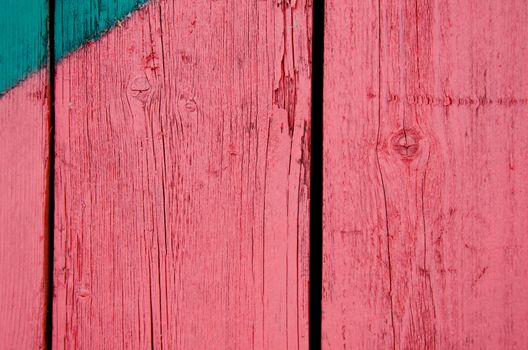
{"x": 77, "y": 21}
{"x": 24, "y": 38}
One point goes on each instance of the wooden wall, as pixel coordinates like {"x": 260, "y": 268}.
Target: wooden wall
{"x": 178, "y": 207}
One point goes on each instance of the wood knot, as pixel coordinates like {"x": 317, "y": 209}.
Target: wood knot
{"x": 83, "y": 292}
{"x": 187, "y": 105}
{"x": 406, "y": 143}
{"x": 190, "y": 106}
{"x": 139, "y": 87}
{"x": 186, "y": 57}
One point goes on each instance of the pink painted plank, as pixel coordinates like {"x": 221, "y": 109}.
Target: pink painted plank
{"x": 426, "y": 168}
{"x": 24, "y": 130}
{"x": 182, "y": 177}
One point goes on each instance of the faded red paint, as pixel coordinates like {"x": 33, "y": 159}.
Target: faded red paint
{"x": 426, "y": 144}
{"x": 24, "y": 128}
{"x": 182, "y": 174}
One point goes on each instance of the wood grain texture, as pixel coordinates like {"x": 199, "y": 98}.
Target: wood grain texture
{"x": 426, "y": 144}
{"x": 24, "y": 164}
{"x": 182, "y": 176}
{"x": 24, "y": 154}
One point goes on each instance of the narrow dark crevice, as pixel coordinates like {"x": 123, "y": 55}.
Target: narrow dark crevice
{"x": 316, "y": 179}
{"x": 51, "y": 178}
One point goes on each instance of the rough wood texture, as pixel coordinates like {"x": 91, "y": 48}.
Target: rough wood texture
{"x": 24, "y": 129}
{"x": 182, "y": 180}
{"x": 426, "y": 144}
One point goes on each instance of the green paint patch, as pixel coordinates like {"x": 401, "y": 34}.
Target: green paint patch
{"x": 24, "y": 36}
{"x": 23, "y": 39}
{"x": 77, "y": 21}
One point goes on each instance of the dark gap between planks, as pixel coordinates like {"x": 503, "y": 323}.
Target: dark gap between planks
{"x": 51, "y": 177}
{"x": 316, "y": 178}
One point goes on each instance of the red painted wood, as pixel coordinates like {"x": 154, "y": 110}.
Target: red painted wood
{"x": 24, "y": 129}
{"x": 426, "y": 144}
{"x": 182, "y": 180}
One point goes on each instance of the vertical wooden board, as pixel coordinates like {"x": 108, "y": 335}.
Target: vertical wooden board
{"x": 24, "y": 135}
{"x": 182, "y": 180}
{"x": 356, "y": 284}
{"x": 450, "y": 193}
{"x": 24, "y": 160}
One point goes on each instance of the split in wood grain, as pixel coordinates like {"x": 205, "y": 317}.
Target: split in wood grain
{"x": 182, "y": 180}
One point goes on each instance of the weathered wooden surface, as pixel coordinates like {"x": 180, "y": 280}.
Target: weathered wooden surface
{"x": 24, "y": 162}
{"x": 426, "y": 143}
{"x": 182, "y": 174}
{"x": 24, "y": 128}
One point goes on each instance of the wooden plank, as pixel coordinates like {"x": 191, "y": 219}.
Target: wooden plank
{"x": 426, "y": 142}
{"x": 24, "y": 129}
{"x": 182, "y": 180}
{"x": 24, "y": 160}
{"x": 356, "y": 302}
